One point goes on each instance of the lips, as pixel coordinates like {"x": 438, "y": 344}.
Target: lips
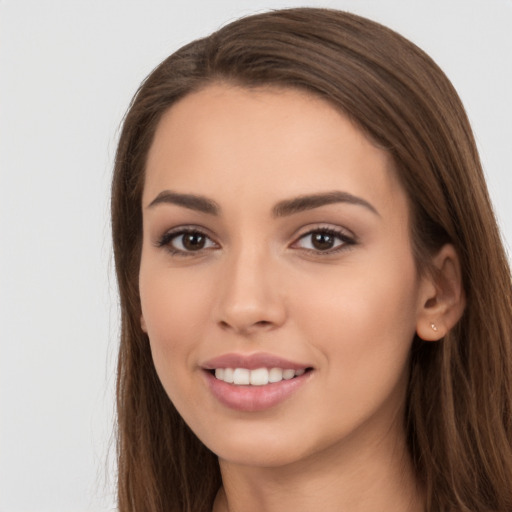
{"x": 254, "y": 382}
{"x": 252, "y": 362}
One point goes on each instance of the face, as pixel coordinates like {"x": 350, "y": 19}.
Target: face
{"x": 277, "y": 282}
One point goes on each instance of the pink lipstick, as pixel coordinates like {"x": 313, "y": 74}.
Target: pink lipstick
{"x": 254, "y": 382}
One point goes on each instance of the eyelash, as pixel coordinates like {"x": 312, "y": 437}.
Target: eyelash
{"x": 346, "y": 240}
{"x": 167, "y": 239}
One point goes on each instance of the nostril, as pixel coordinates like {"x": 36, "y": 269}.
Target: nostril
{"x": 225, "y": 325}
{"x": 258, "y": 325}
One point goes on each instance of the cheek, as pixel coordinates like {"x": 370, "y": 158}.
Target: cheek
{"x": 176, "y": 314}
{"x": 363, "y": 321}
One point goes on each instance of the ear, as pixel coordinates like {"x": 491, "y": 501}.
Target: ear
{"x": 143, "y": 324}
{"x": 442, "y": 298}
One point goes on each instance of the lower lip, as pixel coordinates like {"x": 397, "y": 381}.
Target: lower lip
{"x": 254, "y": 398}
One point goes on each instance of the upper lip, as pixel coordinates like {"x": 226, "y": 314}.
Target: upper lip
{"x": 252, "y": 362}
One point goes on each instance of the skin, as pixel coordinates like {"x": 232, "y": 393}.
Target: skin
{"x": 260, "y": 285}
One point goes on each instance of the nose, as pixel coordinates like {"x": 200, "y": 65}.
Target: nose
{"x": 250, "y": 299}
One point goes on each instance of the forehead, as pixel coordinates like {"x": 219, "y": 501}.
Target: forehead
{"x": 281, "y": 142}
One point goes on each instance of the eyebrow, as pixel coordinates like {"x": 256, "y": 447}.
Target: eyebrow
{"x": 190, "y": 201}
{"x": 308, "y": 202}
{"x": 281, "y": 209}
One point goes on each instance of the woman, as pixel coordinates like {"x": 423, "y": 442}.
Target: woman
{"x": 316, "y": 304}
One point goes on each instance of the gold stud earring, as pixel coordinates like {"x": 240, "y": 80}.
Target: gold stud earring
{"x": 434, "y": 327}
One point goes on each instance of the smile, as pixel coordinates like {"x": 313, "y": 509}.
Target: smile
{"x": 254, "y": 382}
{"x": 256, "y": 377}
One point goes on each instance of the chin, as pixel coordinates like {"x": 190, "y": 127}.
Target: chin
{"x": 257, "y": 446}
{"x": 254, "y": 455}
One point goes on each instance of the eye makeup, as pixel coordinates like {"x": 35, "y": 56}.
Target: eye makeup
{"x": 321, "y": 240}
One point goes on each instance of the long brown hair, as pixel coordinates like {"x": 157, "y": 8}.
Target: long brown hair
{"x": 459, "y": 405}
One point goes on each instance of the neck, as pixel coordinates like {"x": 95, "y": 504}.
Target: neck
{"x": 375, "y": 476}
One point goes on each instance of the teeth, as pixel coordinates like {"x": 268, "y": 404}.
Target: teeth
{"x": 275, "y": 375}
{"x": 241, "y": 376}
{"x": 258, "y": 377}
{"x": 288, "y": 374}
{"x": 228, "y": 375}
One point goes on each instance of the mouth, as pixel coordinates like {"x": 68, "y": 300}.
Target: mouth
{"x": 255, "y": 382}
{"x": 258, "y": 376}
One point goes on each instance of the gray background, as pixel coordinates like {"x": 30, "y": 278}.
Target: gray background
{"x": 67, "y": 72}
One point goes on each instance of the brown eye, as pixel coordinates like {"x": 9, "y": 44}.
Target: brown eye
{"x": 324, "y": 241}
{"x": 192, "y": 241}
{"x": 186, "y": 241}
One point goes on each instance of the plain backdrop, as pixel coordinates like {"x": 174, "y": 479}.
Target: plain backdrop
{"x": 67, "y": 72}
